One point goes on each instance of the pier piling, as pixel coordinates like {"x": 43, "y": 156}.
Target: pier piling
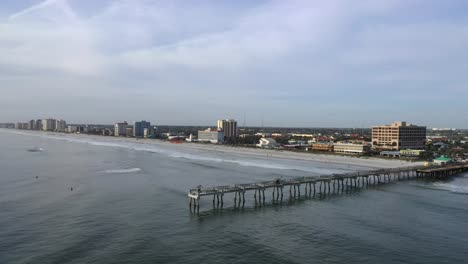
{"x": 350, "y": 180}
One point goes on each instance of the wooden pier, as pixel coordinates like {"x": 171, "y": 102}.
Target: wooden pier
{"x": 319, "y": 185}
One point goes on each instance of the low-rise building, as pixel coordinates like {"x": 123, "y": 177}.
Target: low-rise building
{"x": 411, "y": 152}
{"x": 267, "y": 143}
{"x": 149, "y": 132}
{"x": 440, "y": 145}
{"x": 191, "y": 138}
{"x": 72, "y": 129}
{"x": 442, "y": 160}
{"x": 350, "y": 148}
{"x": 390, "y": 153}
{"x": 322, "y": 146}
{"x": 211, "y": 135}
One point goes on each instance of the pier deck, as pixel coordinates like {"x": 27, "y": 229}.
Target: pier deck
{"x": 326, "y": 184}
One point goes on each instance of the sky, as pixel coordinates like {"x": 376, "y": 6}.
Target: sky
{"x": 337, "y": 63}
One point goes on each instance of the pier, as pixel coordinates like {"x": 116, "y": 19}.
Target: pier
{"x": 319, "y": 185}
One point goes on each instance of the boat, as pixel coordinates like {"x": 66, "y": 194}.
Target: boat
{"x": 35, "y": 149}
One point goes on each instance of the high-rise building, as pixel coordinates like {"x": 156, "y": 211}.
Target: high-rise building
{"x": 129, "y": 131}
{"x": 18, "y": 125}
{"x": 60, "y": 125}
{"x": 139, "y": 128}
{"x": 120, "y": 129}
{"x": 398, "y": 136}
{"x": 229, "y": 126}
{"x": 38, "y": 125}
{"x": 31, "y": 125}
{"x": 48, "y": 124}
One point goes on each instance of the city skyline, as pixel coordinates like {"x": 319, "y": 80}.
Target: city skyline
{"x": 214, "y": 125}
{"x": 284, "y": 64}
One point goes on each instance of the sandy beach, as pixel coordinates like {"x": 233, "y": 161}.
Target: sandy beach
{"x": 244, "y": 151}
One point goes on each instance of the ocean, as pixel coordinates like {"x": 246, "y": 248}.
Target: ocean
{"x": 92, "y": 200}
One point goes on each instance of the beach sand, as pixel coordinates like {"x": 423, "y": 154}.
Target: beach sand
{"x": 244, "y": 151}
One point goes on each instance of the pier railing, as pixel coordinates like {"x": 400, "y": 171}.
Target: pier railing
{"x": 326, "y": 183}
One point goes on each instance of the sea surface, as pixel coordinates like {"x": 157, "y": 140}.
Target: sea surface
{"x": 91, "y": 200}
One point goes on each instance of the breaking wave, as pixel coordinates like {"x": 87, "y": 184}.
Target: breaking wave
{"x": 178, "y": 154}
{"x": 123, "y": 170}
{"x": 460, "y": 189}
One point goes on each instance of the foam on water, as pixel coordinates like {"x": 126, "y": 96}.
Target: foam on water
{"x": 177, "y": 154}
{"x": 123, "y": 170}
{"x": 452, "y": 187}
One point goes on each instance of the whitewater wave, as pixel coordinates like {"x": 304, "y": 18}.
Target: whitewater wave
{"x": 130, "y": 170}
{"x": 178, "y": 154}
{"x": 239, "y": 162}
{"x": 451, "y": 188}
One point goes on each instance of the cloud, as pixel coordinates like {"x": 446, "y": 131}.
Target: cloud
{"x": 307, "y": 55}
{"x": 49, "y": 35}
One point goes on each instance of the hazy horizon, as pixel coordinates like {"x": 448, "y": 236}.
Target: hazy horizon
{"x": 336, "y": 63}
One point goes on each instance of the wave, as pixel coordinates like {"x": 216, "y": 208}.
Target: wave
{"x": 123, "y": 170}
{"x": 460, "y": 189}
{"x": 177, "y": 154}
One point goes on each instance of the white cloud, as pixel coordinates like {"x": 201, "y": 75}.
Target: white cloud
{"x": 340, "y": 51}
{"x": 49, "y": 36}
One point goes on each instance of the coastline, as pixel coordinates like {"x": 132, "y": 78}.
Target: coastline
{"x": 245, "y": 151}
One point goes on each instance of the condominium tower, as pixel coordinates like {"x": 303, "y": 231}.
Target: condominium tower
{"x": 398, "y": 136}
{"x": 229, "y": 126}
{"x": 48, "y": 124}
{"x": 120, "y": 129}
{"x": 139, "y": 128}
{"x": 60, "y": 125}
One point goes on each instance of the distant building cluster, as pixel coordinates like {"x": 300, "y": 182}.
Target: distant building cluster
{"x": 396, "y": 140}
{"x": 225, "y": 131}
{"x": 140, "y": 129}
{"x": 48, "y": 124}
{"x": 399, "y": 139}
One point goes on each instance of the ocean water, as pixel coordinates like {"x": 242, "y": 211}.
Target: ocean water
{"x": 90, "y": 200}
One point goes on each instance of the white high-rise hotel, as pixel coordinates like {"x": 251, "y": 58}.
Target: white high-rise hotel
{"x": 60, "y": 125}
{"x": 229, "y": 126}
{"x": 49, "y": 124}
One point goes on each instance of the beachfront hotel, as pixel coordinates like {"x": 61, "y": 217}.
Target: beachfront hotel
{"x": 49, "y": 124}
{"x": 211, "y": 135}
{"x": 139, "y": 128}
{"x": 398, "y": 136}
{"x": 229, "y": 126}
{"x": 120, "y": 129}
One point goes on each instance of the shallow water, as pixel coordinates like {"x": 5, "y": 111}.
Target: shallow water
{"x": 129, "y": 205}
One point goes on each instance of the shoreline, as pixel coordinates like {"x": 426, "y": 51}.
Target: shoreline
{"x": 239, "y": 150}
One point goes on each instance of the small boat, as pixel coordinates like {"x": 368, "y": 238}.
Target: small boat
{"x": 35, "y": 149}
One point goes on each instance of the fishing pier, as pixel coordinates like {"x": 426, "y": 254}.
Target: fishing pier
{"x": 319, "y": 185}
